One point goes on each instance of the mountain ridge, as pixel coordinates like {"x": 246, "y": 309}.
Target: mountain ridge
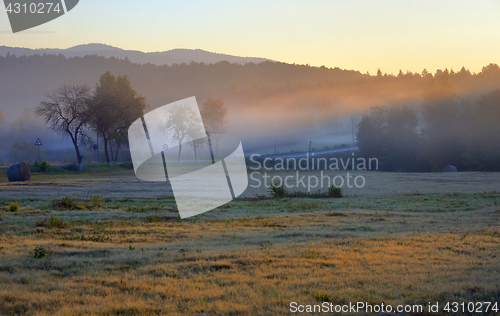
{"x": 170, "y": 57}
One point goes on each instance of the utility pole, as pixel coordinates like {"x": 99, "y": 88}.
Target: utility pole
{"x": 352, "y": 129}
{"x": 309, "y": 154}
{"x": 97, "y": 147}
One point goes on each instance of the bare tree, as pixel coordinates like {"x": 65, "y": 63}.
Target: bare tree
{"x": 68, "y": 112}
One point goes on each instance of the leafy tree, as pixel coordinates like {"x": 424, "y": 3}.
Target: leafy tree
{"x": 214, "y": 116}
{"x": 371, "y": 136}
{"x": 402, "y": 137}
{"x": 21, "y": 151}
{"x": 68, "y": 112}
{"x": 484, "y": 148}
{"x": 443, "y": 143}
{"x": 440, "y": 107}
{"x": 389, "y": 134}
{"x": 116, "y": 105}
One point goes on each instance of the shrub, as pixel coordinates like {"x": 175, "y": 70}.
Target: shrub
{"x": 54, "y": 221}
{"x": 127, "y": 165}
{"x": 71, "y": 167}
{"x": 35, "y": 167}
{"x": 13, "y": 207}
{"x": 277, "y": 189}
{"x": 96, "y": 201}
{"x": 39, "y": 252}
{"x": 334, "y": 192}
{"x": 44, "y": 166}
{"x": 321, "y": 297}
{"x": 67, "y": 203}
{"x": 335, "y": 214}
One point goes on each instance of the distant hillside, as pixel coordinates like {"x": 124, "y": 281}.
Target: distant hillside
{"x": 174, "y": 56}
{"x": 24, "y": 80}
{"x": 286, "y": 101}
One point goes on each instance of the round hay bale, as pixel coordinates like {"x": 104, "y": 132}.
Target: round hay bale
{"x": 450, "y": 168}
{"x": 19, "y": 172}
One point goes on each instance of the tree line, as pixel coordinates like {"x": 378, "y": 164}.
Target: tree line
{"x": 453, "y": 131}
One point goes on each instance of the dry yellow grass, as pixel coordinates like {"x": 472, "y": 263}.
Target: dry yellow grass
{"x": 253, "y": 257}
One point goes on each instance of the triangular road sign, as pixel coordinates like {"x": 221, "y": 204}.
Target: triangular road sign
{"x": 38, "y": 142}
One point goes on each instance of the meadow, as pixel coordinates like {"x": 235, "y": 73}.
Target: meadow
{"x": 105, "y": 243}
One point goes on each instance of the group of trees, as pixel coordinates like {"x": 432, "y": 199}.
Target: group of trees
{"x": 454, "y": 132}
{"x": 75, "y": 111}
{"x": 183, "y": 125}
{"x": 21, "y": 151}
{"x": 285, "y": 100}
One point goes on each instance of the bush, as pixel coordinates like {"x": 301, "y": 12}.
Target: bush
{"x": 39, "y": 252}
{"x": 54, "y": 221}
{"x": 35, "y": 167}
{"x": 321, "y": 297}
{"x": 277, "y": 189}
{"x": 97, "y": 201}
{"x": 334, "y": 192}
{"x": 335, "y": 214}
{"x": 71, "y": 167}
{"x": 67, "y": 203}
{"x": 44, "y": 166}
{"x": 127, "y": 165}
{"x": 13, "y": 207}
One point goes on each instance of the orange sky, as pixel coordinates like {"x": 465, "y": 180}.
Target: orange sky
{"x": 360, "y": 35}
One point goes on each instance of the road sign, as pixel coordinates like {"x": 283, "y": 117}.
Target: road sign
{"x": 165, "y": 147}
{"x": 38, "y": 142}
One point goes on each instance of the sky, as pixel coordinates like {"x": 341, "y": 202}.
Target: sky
{"x": 360, "y": 35}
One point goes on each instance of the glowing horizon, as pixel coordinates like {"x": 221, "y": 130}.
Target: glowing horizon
{"x": 358, "y": 35}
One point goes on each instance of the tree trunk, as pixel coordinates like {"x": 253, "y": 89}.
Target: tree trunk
{"x": 111, "y": 150}
{"x": 106, "y": 151}
{"x": 116, "y": 153}
{"x": 179, "y": 156}
{"x": 195, "y": 153}
{"x": 78, "y": 156}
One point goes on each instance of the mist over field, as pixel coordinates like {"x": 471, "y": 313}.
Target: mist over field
{"x": 269, "y": 104}
{"x": 366, "y": 181}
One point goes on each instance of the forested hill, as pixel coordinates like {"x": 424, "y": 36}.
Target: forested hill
{"x": 157, "y": 58}
{"x": 268, "y": 96}
{"x": 25, "y": 80}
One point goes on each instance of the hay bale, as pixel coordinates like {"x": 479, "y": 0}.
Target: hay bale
{"x": 450, "y": 168}
{"x": 19, "y": 172}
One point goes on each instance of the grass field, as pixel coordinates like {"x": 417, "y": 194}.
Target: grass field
{"x": 115, "y": 246}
